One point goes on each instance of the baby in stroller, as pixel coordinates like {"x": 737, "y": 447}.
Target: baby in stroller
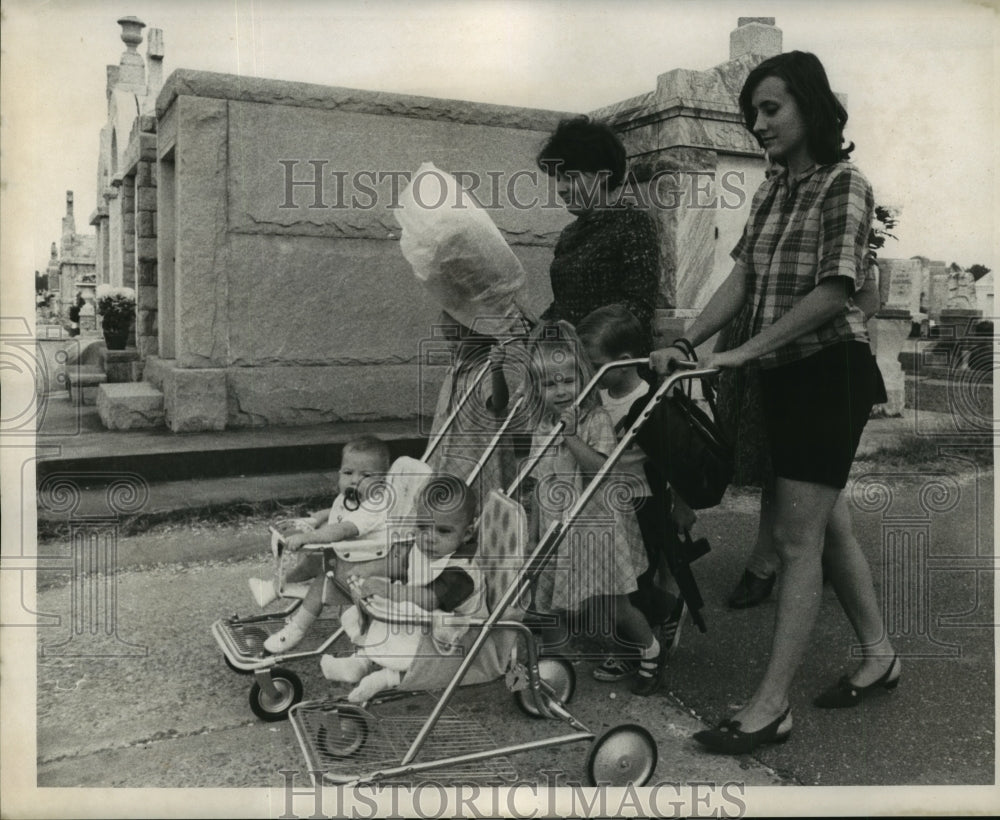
{"x": 440, "y": 576}
{"x": 364, "y": 460}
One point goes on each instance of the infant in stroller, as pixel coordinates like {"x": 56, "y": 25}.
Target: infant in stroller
{"x": 440, "y": 577}
{"x": 352, "y": 515}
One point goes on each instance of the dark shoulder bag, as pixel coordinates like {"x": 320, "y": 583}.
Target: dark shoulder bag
{"x": 688, "y": 445}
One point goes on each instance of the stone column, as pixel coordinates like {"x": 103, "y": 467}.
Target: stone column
{"x": 115, "y": 243}
{"x": 99, "y": 220}
{"x": 146, "y": 227}
{"x": 126, "y": 202}
{"x": 689, "y": 148}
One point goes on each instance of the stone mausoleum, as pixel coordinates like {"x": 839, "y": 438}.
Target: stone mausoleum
{"x": 254, "y": 218}
{"x": 72, "y": 267}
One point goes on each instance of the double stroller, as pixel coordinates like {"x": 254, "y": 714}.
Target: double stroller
{"x": 391, "y": 736}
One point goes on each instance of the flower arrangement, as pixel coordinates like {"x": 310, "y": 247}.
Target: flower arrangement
{"x": 116, "y": 305}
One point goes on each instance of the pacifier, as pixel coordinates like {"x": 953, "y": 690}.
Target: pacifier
{"x": 352, "y": 499}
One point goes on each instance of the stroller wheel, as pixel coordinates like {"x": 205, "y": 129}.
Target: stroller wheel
{"x": 623, "y": 755}
{"x": 558, "y": 679}
{"x": 344, "y": 733}
{"x": 271, "y": 707}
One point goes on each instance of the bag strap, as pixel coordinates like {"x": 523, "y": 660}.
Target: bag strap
{"x": 685, "y": 347}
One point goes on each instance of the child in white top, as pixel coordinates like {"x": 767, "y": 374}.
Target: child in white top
{"x": 352, "y": 515}
{"x": 441, "y": 576}
{"x": 612, "y": 333}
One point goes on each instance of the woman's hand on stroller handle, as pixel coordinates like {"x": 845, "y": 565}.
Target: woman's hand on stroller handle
{"x": 668, "y": 359}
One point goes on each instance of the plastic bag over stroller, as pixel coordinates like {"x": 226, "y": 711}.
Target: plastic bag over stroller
{"x": 459, "y": 255}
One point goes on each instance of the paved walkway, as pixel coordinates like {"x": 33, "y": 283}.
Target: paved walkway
{"x": 937, "y": 729}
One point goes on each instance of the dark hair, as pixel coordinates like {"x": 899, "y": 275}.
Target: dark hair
{"x": 615, "y": 330}
{"x": 580, "y": 144}
{"x": 805, "y": 78}
{"x": 445, "y": 492}
{"x": 369, "y": 445}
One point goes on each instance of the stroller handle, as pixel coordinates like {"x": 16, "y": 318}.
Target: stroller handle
{"x": 531, "y": 463}
{"x": 495, "y": 441}
{"x": 680, "y": 364}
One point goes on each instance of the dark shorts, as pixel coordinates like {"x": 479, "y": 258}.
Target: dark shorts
{"x": 815, "y": 410}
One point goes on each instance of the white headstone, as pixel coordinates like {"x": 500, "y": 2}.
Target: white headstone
{"x": 901, "y": 282}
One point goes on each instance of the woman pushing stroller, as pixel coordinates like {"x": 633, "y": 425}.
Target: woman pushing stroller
{"x": 797, "y": 265}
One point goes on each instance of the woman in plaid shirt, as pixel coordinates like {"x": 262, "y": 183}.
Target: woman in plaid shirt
{"x": 797, "y": 266}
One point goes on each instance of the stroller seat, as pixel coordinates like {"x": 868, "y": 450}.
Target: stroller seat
{"x": 241, "y": 640}
{"x": 347, "y": 740}
{"x": 503, "y": 536}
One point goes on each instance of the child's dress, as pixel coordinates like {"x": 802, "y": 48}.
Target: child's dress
{"x": 631, "y": 462}
{"x": 602, "y": 552}
{"x": 473, "y": 429}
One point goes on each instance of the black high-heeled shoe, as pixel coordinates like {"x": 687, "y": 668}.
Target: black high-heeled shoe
{"x": 845, "y": 694}
{"x": 729, "y": 739}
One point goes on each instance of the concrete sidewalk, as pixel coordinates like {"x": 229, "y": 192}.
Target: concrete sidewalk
{"x": 937, "y": 729}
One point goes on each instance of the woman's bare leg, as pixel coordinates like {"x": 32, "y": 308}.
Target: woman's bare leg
{"x": 851, "y": 577}
{"x": 801, "y": 514}
{"x": 764, "y": 560}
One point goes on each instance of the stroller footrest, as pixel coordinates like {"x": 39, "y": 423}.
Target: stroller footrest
{"x": 348, "y": 743}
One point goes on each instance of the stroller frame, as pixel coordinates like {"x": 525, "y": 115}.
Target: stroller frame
{"x": 276, "y": 689}
{"x": 624, "y": 754}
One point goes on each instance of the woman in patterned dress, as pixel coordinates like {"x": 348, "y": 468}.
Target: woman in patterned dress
{"x": 610, "y": 253}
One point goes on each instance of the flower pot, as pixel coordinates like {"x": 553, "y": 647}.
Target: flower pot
{"x": 115, "y": 335}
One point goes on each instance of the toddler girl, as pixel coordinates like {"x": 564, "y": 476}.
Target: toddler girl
{"x": 612, "y": 333}
{"x": 597, "y": 561}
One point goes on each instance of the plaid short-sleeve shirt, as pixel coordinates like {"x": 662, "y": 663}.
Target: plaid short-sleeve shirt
{"x": 800, "y": 231}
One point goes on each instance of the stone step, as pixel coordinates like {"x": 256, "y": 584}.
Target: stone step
{"x": 118, "y": 365}
{"x": 83, "y": 382}
{"x": 130, "y": 406}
